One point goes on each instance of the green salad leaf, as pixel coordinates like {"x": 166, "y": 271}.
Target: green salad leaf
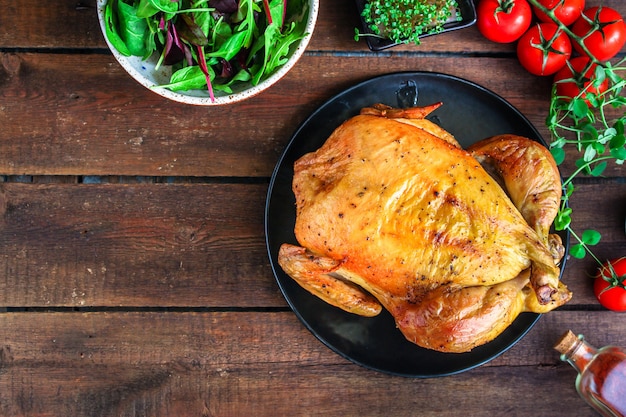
{"x": 209, "y": 44}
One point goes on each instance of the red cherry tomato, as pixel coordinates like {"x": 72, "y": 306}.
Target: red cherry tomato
{"x": 503, "y": 21}
{"x": 544, "y": 49}
{"x": 606, "y": 29}
{"x": 609, "y": 285}
{"x": 574, "y": 81}
{"x": 567, "y": 11}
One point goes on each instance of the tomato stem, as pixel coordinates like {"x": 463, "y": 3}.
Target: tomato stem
{"x": 504, "y": 6}
{"x": 613, "y": 279}
{"x": 579, "y": 40}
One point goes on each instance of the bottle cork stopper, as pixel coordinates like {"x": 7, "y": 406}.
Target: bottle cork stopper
{"x": 567, "y": 342}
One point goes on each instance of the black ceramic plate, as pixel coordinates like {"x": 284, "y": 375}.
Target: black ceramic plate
{"x": 466, "y": 11}
{"x": 470, "y": 112}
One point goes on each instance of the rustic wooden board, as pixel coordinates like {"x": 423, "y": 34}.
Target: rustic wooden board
{"x": 75, "y": 25}
{"x": 593, "y": 207}
{"x": 82, "y": 128}
{"x": 134, "y": 245}
{"x": 72, "y": 24}
{"x": 250, "y": 363}
{"x": 86, "y": 126}
{"x": 98, "y": 121}
{"x": 134, "y": 279}
{"x": 182, "y": 244}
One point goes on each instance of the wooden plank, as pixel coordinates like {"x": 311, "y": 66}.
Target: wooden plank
{"x": 206, "y": 364}
{"x": 57, "y": 122}
{"x": 602, "y": 208}
{"x": 151, "y": 245}
{"x": 81, "y": 128}
{"x": 75, "y": 25}
{"x": 69, "y": 24}
{"x": 130, "y": 245}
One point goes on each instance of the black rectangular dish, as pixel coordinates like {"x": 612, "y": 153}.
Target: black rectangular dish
{"x": 466, "y": 10}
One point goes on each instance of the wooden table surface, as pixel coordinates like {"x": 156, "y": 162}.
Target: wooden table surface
{"x": 134, "y": 277}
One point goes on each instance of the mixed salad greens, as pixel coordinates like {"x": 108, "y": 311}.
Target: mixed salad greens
{"x": 210, "y": 44}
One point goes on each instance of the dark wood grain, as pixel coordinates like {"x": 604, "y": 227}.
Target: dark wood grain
{"x": 134, "y": 245}
{"x": 98, "y": 121}
{"x": 184, "y": 244}
{"x": 231, "y": 364}
{"x": 134, "y": 278}
{"x": 93, "y": 119}
{"x": 74, "y": 24}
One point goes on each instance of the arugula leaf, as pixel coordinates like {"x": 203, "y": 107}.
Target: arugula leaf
{"x": 278, "y": 46}
{"x": 275, "y": 43}
{"x": 188, "y": 78}
{"x": 231, "y": 47}
{"x": 248, "y": 26}
{"x": 281, "y": 51}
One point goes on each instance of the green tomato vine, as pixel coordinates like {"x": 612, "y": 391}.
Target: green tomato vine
{"x": 591, "y": 124}
{"x": 599, "y": 140}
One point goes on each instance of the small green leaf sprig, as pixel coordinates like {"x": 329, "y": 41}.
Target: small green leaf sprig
{"x": 593, "y": 124}
{"x": 584, "y": 124}
{"x": 404, "y": 21}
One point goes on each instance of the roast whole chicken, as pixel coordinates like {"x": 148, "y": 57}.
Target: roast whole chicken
{"x": 392, "y": 213}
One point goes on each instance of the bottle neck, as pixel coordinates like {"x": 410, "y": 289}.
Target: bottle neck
{"x": 579, "y": 355}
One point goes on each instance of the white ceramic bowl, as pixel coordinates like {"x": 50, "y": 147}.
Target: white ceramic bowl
{"x": 144, "y": 71}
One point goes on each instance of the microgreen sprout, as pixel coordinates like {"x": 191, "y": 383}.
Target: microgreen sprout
{"x": 404, "y": 21}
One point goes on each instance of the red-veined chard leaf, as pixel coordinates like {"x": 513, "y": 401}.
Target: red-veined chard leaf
{"x": 224, "y": 6}
{"x": 190, "y": 31}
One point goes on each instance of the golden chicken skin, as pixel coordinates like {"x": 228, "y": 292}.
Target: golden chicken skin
{"x": 392, "y": 213}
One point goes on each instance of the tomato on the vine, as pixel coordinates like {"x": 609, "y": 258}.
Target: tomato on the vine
{"x": 503, "y": 21}
{"x": 604, "y": 31}
{"x": 578, "y": 79}
{"x": 544, "y": 49}
{"x": 567, "y": 11}
{"x": 609, "y": 285}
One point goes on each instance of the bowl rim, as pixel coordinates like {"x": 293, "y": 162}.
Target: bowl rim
{"x": 220, "y": 99}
